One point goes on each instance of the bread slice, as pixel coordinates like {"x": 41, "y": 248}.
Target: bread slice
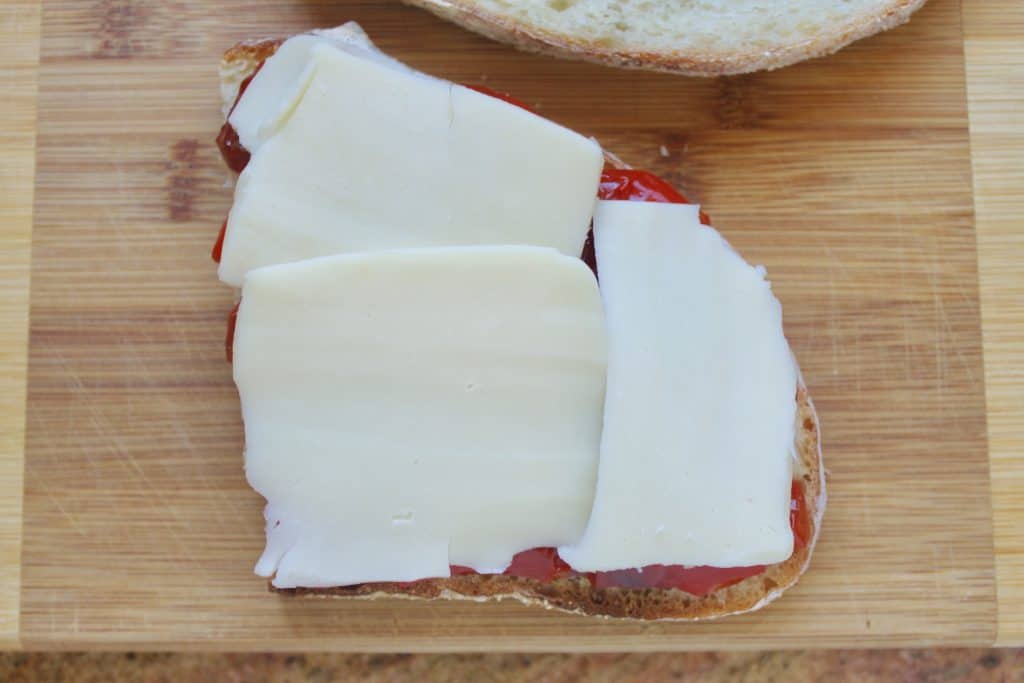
{"x": 576, "y": 594}
{"x": 692, "y": 37}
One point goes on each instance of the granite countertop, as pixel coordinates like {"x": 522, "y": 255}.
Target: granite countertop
{"x": 891, "y": 665}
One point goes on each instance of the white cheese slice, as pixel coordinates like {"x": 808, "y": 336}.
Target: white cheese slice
{"x": 356, "y": 154}
{"x": 699, "y": 417}
{"x": 278, "y": 85}
{"x": 409, "y": 409}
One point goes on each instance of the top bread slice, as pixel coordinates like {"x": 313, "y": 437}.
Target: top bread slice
{"x": 576, "y": 594}
{"x": 692, "y": 37}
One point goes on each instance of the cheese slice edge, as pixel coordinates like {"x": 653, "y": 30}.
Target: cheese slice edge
{"x": 695, "y": 461}
{"x": 353, "y": 153}
{"x": 409, "y": 409}
{"x": 278, "y": 84}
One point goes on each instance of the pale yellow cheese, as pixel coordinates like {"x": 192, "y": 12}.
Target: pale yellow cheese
{"x": 405, "y": 410}
{"x": 354, "y": 153}
{"x": 696, "y": 453}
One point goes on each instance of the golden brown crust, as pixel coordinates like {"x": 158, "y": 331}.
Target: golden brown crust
{"x": 576, "y": 594}
{"x": 533, "y": 38}
{"x": 252, "y": 52}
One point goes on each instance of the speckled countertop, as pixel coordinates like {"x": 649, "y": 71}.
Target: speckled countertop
{"x": 793, "y": 667}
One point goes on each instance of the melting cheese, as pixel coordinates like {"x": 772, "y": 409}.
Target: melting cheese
{"x": 407, "y": 410}
{"x": 695, "y": 460}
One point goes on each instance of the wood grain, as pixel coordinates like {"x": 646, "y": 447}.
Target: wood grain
{"x": 848, "y": 177}
{"x": 19, "y": 62}
{"x": 994, "y": 50}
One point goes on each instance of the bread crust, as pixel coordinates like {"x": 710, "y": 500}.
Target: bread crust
{"x": 541, "y": 40}
{"x": 575, "y": 594}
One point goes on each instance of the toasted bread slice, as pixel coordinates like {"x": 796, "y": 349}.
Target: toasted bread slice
{"x": 576, "y": 594}
{"x": 708, "y": 38}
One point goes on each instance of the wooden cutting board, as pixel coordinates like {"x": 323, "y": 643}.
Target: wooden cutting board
{"x": 848, "y": 177}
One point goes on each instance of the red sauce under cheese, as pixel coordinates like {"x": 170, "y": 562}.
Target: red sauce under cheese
{"x": 636, "y": 186}
{"x": 235, "y": 156}
{"x": 218, "y": 246}
{"x": 503, "y": 96}
{"x": 544, "y": 564}
{"x": 229, "y": 340}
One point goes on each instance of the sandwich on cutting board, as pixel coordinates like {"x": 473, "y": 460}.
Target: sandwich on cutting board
{"x": 479, "y": 358}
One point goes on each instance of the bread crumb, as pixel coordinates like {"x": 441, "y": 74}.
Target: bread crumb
{"x": 664, "y": 151}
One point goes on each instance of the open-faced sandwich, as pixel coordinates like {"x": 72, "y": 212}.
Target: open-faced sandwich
{"x": 479, "y": 357}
